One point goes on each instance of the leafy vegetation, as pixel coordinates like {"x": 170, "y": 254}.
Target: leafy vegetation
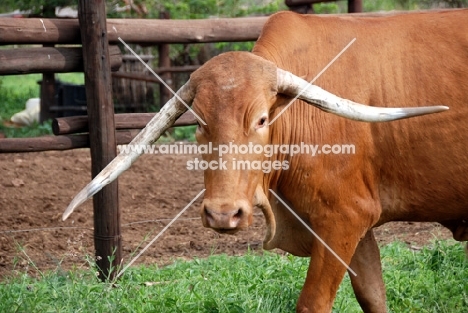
{"x": 183, "y": 133}
{"x": 45, "y": 8}
{"x": 388, "y": 5}
{"x": 429, "y": 280}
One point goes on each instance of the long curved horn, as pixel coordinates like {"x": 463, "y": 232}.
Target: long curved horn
{"x": 294, "y": 86}
{"x": 153, "y": 130}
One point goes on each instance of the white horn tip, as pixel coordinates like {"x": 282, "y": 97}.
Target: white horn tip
{"x": 67, "y": 213}
{"x": 443, "y": 108}
{"x": 71, "y": 207}
{"x": 90, "y": 190}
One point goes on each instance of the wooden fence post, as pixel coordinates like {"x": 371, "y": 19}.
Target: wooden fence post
{"x": 47, "y": 95}
{"x": 354, "y": 6}
{"x": 164, "y": 62}
{"x": 107, "y": 236}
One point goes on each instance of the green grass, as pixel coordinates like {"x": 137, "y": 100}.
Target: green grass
{"x": 430, "y": 280}
{"x": 15, "y": 90}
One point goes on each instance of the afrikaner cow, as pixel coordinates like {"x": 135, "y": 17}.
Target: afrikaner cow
{"x": 406, "y": 170}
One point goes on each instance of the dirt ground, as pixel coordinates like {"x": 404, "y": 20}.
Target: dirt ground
{"x": 35, "y": 188}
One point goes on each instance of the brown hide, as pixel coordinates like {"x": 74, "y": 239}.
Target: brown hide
{"x": 414, "y": 169}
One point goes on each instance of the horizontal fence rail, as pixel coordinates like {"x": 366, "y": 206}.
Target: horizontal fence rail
{"x": 62, "y": 142}
{"x": 72, "y": 133}
{"x": 144, "y": 31}
{"x": 79, "y": 124}
{"x": 49, "y": 60}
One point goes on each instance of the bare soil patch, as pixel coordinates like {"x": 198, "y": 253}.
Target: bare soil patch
{"x": 35, "y": 188}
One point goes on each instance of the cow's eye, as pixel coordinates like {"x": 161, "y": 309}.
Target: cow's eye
{"x": 262, "y": 121}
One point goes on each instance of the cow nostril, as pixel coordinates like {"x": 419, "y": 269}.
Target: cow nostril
{"x": 239, "y": 214}
{"x": 207, "y": 213}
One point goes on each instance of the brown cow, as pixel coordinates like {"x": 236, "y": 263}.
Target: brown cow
{"x": 407, "y": 170}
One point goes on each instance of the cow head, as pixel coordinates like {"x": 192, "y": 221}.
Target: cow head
{"x": 235, "y": 105}
{"x": 234, "y": 94}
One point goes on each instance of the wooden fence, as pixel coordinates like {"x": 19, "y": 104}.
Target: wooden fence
{"x": 97, "y": 60}
{"x": 51, "y": 60}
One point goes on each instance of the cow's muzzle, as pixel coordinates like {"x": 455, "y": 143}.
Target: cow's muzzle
{"x": 226, "y": 218}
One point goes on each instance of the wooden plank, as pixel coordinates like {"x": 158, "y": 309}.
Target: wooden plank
{"x": 39, "y": 31}
{"x": 79, "y": 124}
{"x": 60, "y": 143}
{"x": 20, "y": 145}
{"x": 187, "y": 31}
{"x": 49, "y": 60}
{"x": 107, "y": 234}
{"x": 150, "y": 77}
{"x": 152, "y": 31}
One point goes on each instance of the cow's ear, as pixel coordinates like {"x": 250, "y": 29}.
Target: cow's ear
{"x": 280, "y": 101}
